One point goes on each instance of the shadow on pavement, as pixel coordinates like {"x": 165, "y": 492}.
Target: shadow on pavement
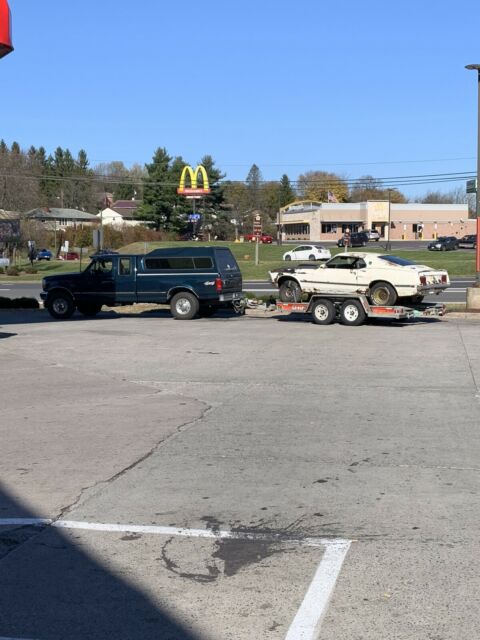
{"x": 6, "y": 335}
{"x": 50, "y": 589}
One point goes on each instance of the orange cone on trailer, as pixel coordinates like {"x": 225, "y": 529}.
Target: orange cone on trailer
{"x": 5, "y": 29}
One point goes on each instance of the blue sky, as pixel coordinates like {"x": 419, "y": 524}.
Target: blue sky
{"x": 353, "y": 87}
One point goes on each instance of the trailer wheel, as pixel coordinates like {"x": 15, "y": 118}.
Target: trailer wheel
{"x": 352, "y": 313}
{"x": 184, "y": 306}
{"x": 290, "y": 291}
{"x": 383, "y": 294}
{"x": 323, "y": 312}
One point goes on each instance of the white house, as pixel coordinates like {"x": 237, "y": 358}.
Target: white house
{"x": 117, "y": 219}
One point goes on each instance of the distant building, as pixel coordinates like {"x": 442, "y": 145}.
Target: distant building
{"x": 9, "y": 227}
{"x": 61, "y": 218}
{"x": 321, "y": 221}
{"x": 119, "y": 217}
{"x": 127, "y": 208}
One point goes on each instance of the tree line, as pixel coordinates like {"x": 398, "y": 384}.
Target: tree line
{"x": 34, "y": 178}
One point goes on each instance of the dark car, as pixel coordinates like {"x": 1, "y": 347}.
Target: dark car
{"x": 357, "y": 239}
{"x": 44, "y": 254}
{"x": 194, "y": 281}
{"x": 444, "y": 243}
{"x": 468, "y": 242}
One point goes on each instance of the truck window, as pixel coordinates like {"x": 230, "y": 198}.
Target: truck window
{"x": 124, "y": 267}
{"x": 103, "y": 266}
{"x": 176, "y": 264}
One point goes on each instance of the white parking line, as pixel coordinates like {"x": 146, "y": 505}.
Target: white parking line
{"x": 308, "y": 619}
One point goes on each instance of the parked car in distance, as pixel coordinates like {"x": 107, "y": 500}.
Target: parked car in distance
{"x": 467, "y": 242}
{"x": 444, "y": 243}
{"x": 307, "y": 252}
{"x": 373, "y": 234}
{"x": 357, "y": 239}
{"x": 44, "y": 254}
{"x": 264, "y": 238}
{"x": 384, "y": 278}
{"x": 69, "y": 255}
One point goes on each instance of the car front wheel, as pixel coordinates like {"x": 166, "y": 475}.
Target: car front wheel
{"x": 288, "y": 257}
{"x": 383, "y": 294}
{"x": 290, "y": 291}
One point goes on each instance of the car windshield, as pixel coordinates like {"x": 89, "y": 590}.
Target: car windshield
{"x": 402, "y": 262}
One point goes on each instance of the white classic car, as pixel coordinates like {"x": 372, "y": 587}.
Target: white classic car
{"x": 384, "y": 278}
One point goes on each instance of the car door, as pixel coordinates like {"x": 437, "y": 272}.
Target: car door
{"x": 336, "y": 275}
{"x": 125, "y": 279}
{"x": 298, "y": 253}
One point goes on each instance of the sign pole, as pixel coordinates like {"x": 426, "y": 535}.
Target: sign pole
{"x": 256, "y": 251}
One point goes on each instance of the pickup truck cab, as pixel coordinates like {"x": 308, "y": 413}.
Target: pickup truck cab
{"x": 192, "y": 280}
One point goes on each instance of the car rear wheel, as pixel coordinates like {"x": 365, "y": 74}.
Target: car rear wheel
{"x": 383, "y": 294}
{"x": 364, "y": 243}
{"x": 60, "y": 306}
{"x": 89, "y": 310}
{"x": 290, "y": 291}
{"x": 352, "y": 313}
{"x": 443, "y": 248}
{"x": 184, "y": 306}
{"x": 323, "y": 312}
{"x": 311, "y": 257}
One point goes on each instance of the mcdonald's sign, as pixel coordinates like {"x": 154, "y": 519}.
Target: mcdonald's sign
{"x": 5, "y": 29}
{"x": 194, "y": 191}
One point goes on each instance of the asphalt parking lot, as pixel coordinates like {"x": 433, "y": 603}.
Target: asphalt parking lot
{"x": 238, "y": 478}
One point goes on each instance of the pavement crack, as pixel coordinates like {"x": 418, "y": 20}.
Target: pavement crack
{"x": 88, "y": 492}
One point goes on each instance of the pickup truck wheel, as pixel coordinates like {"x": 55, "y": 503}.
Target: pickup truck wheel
{"x": 184, "y": 306}
{"x": 290, "y": 291}
{"x": 352, "y": 313}
{"x": 323, "y": 312}
{"x": 89, "y": 310}
{"x": 383, "y": 294}
{"x": 60, "y": 306}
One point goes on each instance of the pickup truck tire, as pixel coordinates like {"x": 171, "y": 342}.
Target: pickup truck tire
{"x": 290, "y": 291}
{"x": 61, "y": 306}
{"x": 383, "y": 294}
{"x": 352, "y": 313}
{"x": 89, "y": 310}
{"x": 184, "y": 306}
{"x": 323, "y": 312}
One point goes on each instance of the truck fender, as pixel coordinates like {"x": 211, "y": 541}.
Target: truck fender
{"x": 177, "y": 289}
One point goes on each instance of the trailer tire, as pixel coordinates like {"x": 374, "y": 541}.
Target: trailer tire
{"x": 184, "y": 306}
{"x": 323, "y": 312}
{"x": 383, "y": 294}
{"x": 290, "y": 291}
{"x": 352, "y": 313}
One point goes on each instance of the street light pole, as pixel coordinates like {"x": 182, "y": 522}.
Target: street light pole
{"x": 476, "y": 67}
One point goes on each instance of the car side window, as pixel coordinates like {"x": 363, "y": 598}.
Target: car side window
{"x": 342, "y": 262}
{"x": 360, "y": 264}
{"x": 103, "y": 267}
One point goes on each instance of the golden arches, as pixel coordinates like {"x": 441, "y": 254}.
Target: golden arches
{"x": 194, "y": 173}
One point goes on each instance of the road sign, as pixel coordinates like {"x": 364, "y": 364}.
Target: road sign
{"x": 194, "y": 217}
{"x": 471, "y": 186}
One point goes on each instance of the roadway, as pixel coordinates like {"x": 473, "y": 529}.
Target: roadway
{"x": 238, "y": 477}
{"x": 456, "y": 293}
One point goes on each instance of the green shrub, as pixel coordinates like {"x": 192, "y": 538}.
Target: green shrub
{"x": 30, "y": 270}
{"x": 2, "y": 269}
{"x": 13, "y": 271}
{"x": 19, "y": 303}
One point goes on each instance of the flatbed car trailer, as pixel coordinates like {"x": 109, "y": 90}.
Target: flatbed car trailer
{"x": 353, "y": 309}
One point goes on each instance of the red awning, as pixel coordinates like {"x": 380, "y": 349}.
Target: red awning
{"x": 5, "y": 29}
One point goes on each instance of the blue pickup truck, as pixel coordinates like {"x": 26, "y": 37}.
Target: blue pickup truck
{"x": 194, "y": 281}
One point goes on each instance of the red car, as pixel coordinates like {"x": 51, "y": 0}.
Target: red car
{"x": 70, "y": 255}
{"x": 264, "y": 238}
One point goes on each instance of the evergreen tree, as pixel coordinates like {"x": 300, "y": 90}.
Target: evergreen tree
{"x": 157, "y": 197}
{"x": 254, "y": 183}
{"x": 287, "y": 194}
